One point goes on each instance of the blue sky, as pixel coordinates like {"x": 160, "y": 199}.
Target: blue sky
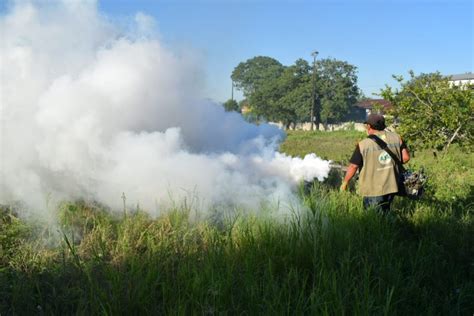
{"x": 381, "y": 38}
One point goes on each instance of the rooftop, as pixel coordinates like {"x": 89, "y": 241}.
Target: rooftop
{"x": 369, "y": 103}
{"x": 465, "y": 76}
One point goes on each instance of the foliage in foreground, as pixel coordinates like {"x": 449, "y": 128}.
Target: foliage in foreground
{"x": 433, "y": 112}
{"x": 332, "y": 258}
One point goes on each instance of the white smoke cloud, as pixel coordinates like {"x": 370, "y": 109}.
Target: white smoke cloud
{"x": 89, "y": 110}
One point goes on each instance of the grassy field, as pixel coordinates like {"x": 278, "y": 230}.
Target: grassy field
{"x": 336, "y": 146}
{"x": 451, "y": 175}
{"x": 330, "y": 258}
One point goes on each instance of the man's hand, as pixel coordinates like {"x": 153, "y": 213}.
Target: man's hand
{"x": 343, "y": 186}
{"x": 351, "y": 170}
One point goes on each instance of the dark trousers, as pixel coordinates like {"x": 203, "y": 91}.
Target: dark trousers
{"x": 380, "y": 203}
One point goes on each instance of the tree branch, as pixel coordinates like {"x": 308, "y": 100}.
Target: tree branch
{"x": 419, "y": 99}
{"x": 454, "y": 136}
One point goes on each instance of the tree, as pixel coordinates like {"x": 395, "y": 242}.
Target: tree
{"x": 284, "y": 93}
{"x": 231, "y": 105}
{"x": 285, "y": 98}
{"x": 336, "y": 88}
{"x": 432, "y": 112}
{"x": 296, "y": 97}
{"x": 252, "y": 74}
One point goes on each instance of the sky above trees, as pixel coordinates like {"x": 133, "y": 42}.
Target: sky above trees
{"x": 380, "y": 38}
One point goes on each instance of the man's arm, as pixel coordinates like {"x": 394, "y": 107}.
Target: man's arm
{"x": 351, "y": 171}
{"x": 405, "y": 152}
{"x": 356, "y": 162}
{"x": 405, "y": 155}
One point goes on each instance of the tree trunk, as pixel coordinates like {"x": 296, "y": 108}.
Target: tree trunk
{"x": 453, "y": 137}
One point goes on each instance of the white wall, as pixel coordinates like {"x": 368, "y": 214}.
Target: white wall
{"x": 330, "y": 127}
{"x": 462, "y": 82}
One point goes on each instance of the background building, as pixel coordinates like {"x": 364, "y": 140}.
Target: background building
{"x": 462, "y": 79}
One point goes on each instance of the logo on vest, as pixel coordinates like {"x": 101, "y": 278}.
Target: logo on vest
{"x": 385, "y": 158}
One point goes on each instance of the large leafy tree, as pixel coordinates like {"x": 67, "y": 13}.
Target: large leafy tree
{"x": 295, "y": 88}
{"x": 285, "y": 98}
{"x": 336, "y": 89}
{"x": 432, "y": 112}
{"x": 254, "y": 73}
{"x": 285, "y": 93}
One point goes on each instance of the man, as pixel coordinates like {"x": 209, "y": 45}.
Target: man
{"x": 378, "y": 171}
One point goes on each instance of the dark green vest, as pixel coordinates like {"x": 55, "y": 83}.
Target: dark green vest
{"x": 377, "y": 176}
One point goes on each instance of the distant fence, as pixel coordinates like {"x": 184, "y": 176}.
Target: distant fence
{"x": 326, "y": 127}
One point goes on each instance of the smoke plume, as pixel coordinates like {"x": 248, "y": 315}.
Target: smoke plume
{"x": 93, "y": 109}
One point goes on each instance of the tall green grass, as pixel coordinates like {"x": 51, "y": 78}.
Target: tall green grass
{"x": 330, "y": 258}
{"x": 327, "y": 257}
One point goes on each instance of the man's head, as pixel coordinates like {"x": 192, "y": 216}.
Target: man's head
{"x": 376, "y": 121}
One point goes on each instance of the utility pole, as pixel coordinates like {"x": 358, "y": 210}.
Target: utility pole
{"x": 313, "y": 103}
{"x": 232, "y": 95}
